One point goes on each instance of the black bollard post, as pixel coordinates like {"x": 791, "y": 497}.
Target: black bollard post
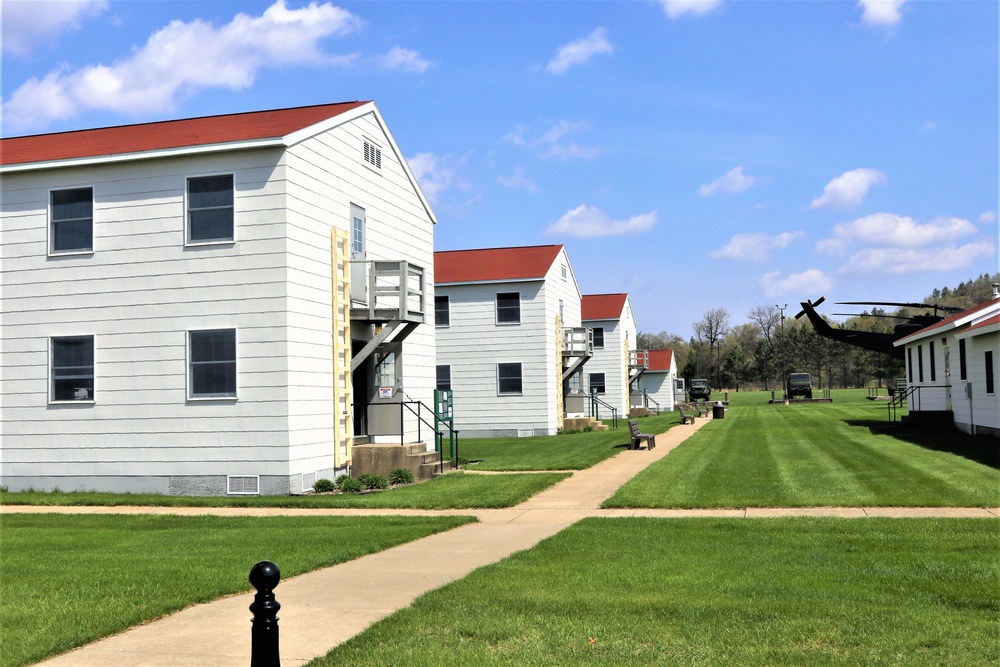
{"x": 264, "y": 577}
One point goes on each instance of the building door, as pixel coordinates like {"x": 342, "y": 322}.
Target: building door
{"x": 361, "y": 381}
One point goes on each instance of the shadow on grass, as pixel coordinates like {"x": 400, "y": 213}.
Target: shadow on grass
{"x": 979, "y": 448}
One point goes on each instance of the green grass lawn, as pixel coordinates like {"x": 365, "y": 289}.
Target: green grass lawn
{"x": 451, "y": 491}
{"x": 816, "y": 454}
{"x": 68, "y": 580}
{"x": 570, "y": 451}
{"x": 793, "y": 591}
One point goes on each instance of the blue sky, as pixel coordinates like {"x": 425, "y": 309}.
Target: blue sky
{"x": 695, "y": 154}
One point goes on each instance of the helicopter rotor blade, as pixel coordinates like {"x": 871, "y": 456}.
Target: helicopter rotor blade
{"x": 947, "y": 309}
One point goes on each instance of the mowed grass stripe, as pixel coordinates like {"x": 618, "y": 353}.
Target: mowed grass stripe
{"x": 810, "y": 455}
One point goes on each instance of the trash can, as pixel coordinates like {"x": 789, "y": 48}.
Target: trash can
{"x": 718, "y": 411}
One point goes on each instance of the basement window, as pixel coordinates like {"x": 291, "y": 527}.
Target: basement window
{"x": 243, "y": 485}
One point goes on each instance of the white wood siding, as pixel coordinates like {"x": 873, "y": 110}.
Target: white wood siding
{"x": 327, "y": 175}
{"x": 984, "y": 409}
{"x": 473, "y": 344}
{"x": 138, "y": 294}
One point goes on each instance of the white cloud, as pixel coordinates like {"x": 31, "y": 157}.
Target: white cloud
{"x": 677, "y": 8}
{"x": 549, "y": 143}
{"x": 754, "y": 247}
{"x": 731, "y": 182}
{"x": 517, "y": 180}
{"x": 988, "y": 217}
{"x": 848, "y": 189}
{"x": 580, "y": 51}
{"x": 404, "y": 60}
{"x": 811, "y": 280}
{"x": 895, "y": 261}
{"x": 586, "y": 221}
{"x": 438, "y": 174}
{"x": 889, "y": 229}
{"x": 881, "y": 13}
{"x": 181, "y": 59}
{"x": 29, "y": 24}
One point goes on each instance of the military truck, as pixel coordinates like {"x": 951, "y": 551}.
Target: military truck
{"x": 799, "y": 384}
{"x": 699, "y": 390}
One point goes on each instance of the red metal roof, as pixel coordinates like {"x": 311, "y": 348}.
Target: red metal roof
{"x": 985, "y": 323}
{"x": 602, "y": 306}
{"x": 946, "y": 321}
{"x": 494, "y": 264}
{"x": 165, "y": 135}
{"x": 659, "y": 360}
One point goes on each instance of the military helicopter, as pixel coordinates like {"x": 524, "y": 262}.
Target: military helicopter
{"x": 871, "y": 340}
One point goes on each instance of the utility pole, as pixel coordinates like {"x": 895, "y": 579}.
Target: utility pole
{"x": 781, "y": 309}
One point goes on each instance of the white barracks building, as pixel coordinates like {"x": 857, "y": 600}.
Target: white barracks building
{"x": 212, "y": 305}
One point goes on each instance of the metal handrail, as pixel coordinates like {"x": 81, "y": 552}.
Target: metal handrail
{"x": 595, "y": 402}
{"x": 418, "y": 413}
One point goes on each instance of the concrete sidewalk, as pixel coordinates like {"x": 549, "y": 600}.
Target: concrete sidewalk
{"x": 317, "y": 615}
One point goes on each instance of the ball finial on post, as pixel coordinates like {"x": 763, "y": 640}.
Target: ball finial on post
{"x": 264, "y": 576}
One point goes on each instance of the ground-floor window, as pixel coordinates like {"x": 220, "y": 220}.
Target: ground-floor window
{"x": 72, "y": 369}
{"x": 597, "y": 383}
{"x": 509, "y": 378}
{"x": 444, "y": 376}
{"x": 212, "y": 363}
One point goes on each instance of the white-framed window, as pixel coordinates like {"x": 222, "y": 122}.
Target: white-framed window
{"x": 243, "y": 485}
{"x": 385, "y": 369}
{"x": 564, "y": 272}
{"x": 597, "y": 382}
{"x": 71, "y": 221}
{"x": 372, "y": 154}
{"x": 598, "y": 338}
{"x": 71, "y": 369}
{"x": 358, "y": 222}
{"x": 443, "y": 376}
{"x": 212, "y": 364}
{"x": 442, "y": 311}
{"x": 210, "y": 209}
{"x": 561, "y": 310}
{"x": 509, "y": 379}
{"x": 508, "y": 307}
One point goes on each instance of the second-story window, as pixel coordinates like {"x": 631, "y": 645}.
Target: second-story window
{"x": 72, "y": 221}
{"x": 442, "y": 314}
{"x": 598, "y": 338}
{"x": 210, "y": 209}
{"x": 508, "y": 308}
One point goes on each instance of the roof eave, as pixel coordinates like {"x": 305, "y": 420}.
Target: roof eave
{"x": 269, "y": 142}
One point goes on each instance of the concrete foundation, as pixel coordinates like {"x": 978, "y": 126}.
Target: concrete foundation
{"x": 381, "y": 459}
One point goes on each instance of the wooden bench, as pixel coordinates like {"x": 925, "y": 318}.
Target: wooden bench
{"x": 685, "y": 417}
{"x": 637, "y": 438}
{"x": 702, "y": 409}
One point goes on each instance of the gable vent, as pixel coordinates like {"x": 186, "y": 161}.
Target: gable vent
{"x": 243, "y": 485}
{"x": 373, "y": 154}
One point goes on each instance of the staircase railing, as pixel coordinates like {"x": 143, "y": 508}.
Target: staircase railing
{"x": 595, "y": 404}
{"x": 421, "y": 419}
{"x": 900, "y": 398}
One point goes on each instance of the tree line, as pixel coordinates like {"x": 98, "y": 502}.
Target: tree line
{"x": 758, "y": 353}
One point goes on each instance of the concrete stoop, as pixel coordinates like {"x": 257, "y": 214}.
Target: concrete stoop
{"x": 640, "y": 412}
{"x": 381, "y": 459}
{"x": 580, "y": 423}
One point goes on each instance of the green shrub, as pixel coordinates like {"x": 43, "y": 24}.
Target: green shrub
{"x": 339, "y": 479}
{"x": 371, "y": 481}
{"x": 323, "y": 486}
{"x": 349, "y": 485}
{"x": 401, "y": 476}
